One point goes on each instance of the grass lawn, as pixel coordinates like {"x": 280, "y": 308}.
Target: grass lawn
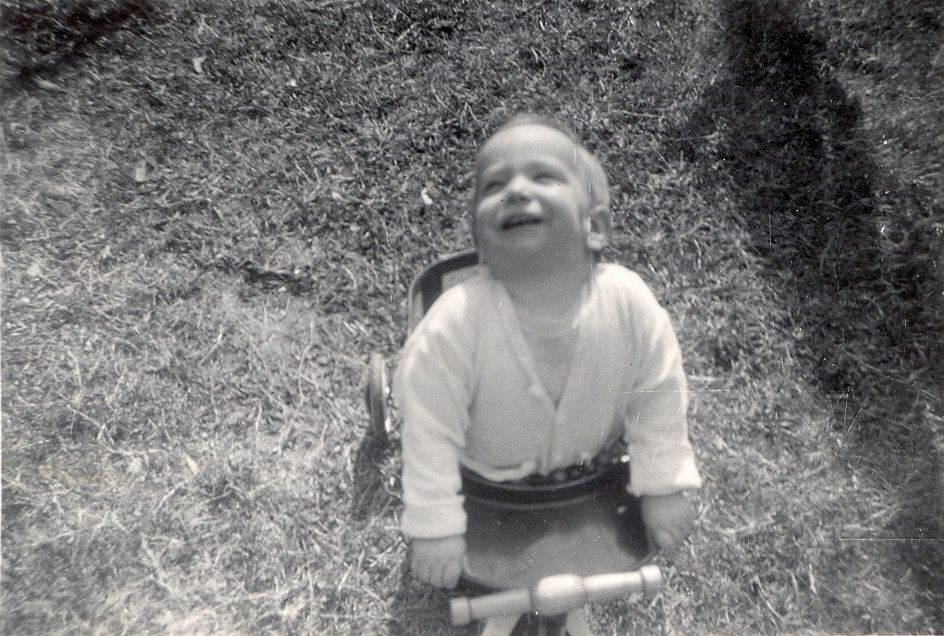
{"x": 211, "y": 212}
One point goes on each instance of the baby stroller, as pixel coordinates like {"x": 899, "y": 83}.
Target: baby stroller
{"x": 542, "y": 547}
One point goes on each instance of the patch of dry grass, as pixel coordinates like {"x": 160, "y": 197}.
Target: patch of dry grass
{"x": 209, "y": 223}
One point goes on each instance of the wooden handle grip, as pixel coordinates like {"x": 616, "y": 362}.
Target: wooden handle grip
{"x": 556, "y": 595}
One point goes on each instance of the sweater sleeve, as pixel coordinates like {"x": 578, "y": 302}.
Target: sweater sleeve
{"x": 661, "y": 458}
{"x": 432, "y": 388}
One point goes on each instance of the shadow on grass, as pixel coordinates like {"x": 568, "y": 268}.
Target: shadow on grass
{"x": 41, "y": 38}
{"x": 418, "y": 608}
{"x": 853, "y": 254}
{"x": 369, "y": 466}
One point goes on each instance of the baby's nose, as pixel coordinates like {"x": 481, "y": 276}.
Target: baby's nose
{"x": 518, "y": 189}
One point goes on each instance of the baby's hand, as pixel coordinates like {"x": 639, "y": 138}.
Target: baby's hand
{"x": 668, "y": 518}
{"x": 439, "y": 561}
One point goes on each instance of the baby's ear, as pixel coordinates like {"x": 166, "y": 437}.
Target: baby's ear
{"x": 600, "y": 224}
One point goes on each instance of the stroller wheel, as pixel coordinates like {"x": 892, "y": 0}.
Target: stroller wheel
{"x": 376, "y": 395}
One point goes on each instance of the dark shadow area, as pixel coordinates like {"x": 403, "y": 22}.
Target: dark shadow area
{"x": 39, "y": 38}
{"x": 371, "y": 468}
{"x": 854, "y": 254}
{"x": 418, "y": 608}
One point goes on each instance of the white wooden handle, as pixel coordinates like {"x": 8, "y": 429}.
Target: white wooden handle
{"x": 556, "y": 595}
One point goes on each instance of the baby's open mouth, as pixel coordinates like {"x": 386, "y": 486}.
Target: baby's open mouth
{"x": 519, "y": 219}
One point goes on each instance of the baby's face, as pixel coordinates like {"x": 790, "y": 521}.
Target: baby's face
{"x": 530, "y": 198}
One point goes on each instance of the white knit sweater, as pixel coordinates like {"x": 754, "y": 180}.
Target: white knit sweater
{"x": 469, "y": 391}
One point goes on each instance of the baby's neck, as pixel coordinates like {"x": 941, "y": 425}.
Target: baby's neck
{"x": 543, "y": 298}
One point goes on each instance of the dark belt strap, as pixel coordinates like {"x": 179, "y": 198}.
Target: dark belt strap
{"x": 605, "y": 468}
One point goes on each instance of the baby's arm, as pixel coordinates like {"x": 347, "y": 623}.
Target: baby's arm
{"x": 431, "y": 387}
{"x": 662, "y": 463}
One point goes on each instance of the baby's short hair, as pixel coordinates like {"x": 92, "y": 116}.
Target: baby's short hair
{"x": 598, "y": 186}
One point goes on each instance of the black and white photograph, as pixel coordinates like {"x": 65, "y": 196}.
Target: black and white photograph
{"x": 471, "y": 317}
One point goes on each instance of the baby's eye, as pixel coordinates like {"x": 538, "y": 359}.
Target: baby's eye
{"x": 547, "y": 178}
{"x": 491, "y": 187}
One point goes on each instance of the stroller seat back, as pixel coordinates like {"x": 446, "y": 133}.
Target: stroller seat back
{"x": 437, "y": 277}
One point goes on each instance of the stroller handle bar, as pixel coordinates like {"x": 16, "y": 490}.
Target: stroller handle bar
{"x": 557, "y": 594}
